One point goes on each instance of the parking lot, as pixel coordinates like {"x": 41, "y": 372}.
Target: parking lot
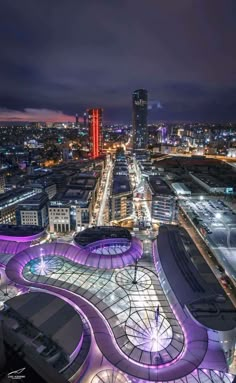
{"x": 216, "y": 223}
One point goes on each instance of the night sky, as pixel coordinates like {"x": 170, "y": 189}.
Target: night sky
{"x": 59, "y": 57}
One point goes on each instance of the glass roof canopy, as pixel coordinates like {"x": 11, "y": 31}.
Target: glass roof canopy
{"x": 199, "y": 376}
{"x": 130, "y": 310}
{"x": 147, "y": 344}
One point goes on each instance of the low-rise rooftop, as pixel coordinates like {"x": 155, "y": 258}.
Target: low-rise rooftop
{"x": 71, "y": 195}
{"x": 192, "y": 281}
{"x": 159, "y": 186}
{"x": 36, "y": 201}
{"x": 121, "y": 185}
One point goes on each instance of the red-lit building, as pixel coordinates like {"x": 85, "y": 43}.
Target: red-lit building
{"x": 95, "y": 131}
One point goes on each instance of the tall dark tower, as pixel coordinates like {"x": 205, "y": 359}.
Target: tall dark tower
{"x": 95, "y": 131}
{"x": 85, "y": 121}
{"x": 140, "y": 130}
{"x": 76, "y": 120}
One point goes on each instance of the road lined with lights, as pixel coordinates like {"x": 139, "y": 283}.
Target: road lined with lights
{"x": 100, "y": 219}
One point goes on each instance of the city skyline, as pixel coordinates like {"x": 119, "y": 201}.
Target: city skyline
{"x": 118, "y": 191}
{"x": 53, "y": 66}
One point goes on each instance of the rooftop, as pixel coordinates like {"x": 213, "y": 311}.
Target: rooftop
{"x": 36, "y": 200}
{"x": 14, "y": 196}
{"x": 71, "y": 194}
{"x": 120, "y": 185}
{"x": 120, "y": 170}
{"x": 192, "y": 281}
{"x": 214, "y": 181}
{"x": 51, "y": 316}
{"x": 84, "y": 181}
{"x": 180, "y": 188}
{"x": 159, "y": 186}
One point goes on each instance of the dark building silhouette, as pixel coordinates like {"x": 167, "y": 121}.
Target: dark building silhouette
{"x": 76, "y": 120}
{"x": 85, "y": 120}
{"x": 140, "y": 132}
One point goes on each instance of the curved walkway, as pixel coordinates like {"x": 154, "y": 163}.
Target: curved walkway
{"x": 84, "y": 256}
{"x": 196, "y": 345}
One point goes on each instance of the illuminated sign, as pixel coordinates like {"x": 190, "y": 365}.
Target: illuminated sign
{"x": 229, "y": 190}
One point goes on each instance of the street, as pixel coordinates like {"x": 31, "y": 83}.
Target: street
{"x": 104, "y": 194}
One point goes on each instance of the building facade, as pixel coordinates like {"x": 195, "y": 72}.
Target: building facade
{"x": 33, "y": 211}
{"x": 161, "y": 201}
{"x": 121, "y": 199}
{"x": 2, "y": 183}
{"x": 70, "y": 211}
{"x": 9, "y": 202}
{"x": 50, "y": 188}
{"x": 95, "y": 131}
{"x": 140, "y": 129}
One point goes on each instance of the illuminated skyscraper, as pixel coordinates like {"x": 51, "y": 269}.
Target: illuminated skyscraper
{"x": 140, "y": 131}
{"x": 95, "y": 131}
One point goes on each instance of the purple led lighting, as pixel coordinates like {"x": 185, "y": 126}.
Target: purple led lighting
{"x": 196, "y": 338}
{"x": 10, "y": 247}
{"x": 23, "y": 238}
{"x": 87, "y": 256}
{"x": 77, "y": 349}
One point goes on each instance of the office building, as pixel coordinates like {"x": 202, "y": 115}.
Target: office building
{"x": 161, "y": 200}
{"x": 2, "y": 183}
{"x": 121, "y": 199}
{"x": 70, "y": 210}
{"x": 89, "y": 181}
{"x": 33, "y": 211}
{"x": 140, "y": 129}
{"x": 9, "y": 202}
{"x": 85, "y": 121}
{"x": 45, "y": 186}
{"x": 95, "y": 132}
{"x": 76, "y": 120}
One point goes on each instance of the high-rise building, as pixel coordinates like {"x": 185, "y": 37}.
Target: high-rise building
{"x": 161, "y": 201}
{"x": 121, "y": 199}
{"x": 76, "y": 120}
{"x": 95, "y": 131}
{"x": 140, "y": 132}
{"x": 85, "y": 121}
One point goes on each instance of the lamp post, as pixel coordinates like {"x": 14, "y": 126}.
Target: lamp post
{"x": 135, "y": 273}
